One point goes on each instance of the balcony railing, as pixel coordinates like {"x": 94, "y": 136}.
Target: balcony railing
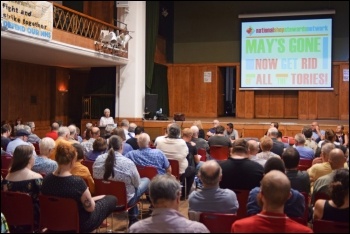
{"x": 77, "y": 23}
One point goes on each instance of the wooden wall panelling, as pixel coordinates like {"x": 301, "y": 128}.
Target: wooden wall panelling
{"x": 249, "y": 103}
{"x": 343, "y": 93}
{"x": 303, "y": 105}
{"x": 100, "y": 10}
{"x": 290, "y": 104}
{"x": 240, "y": 96}
{"x": 312, "y": 104}
{"x": 262, "y": 99}
{"x": 327, "y": 101}
{"x": 276, "y": 104}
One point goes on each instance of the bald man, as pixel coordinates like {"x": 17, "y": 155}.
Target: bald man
{"x": 336, "y": 161}
{"x": 275, "y": 191}
{"x": 212, "y": 198}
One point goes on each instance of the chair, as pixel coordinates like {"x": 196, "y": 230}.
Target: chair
{"x": 219, "y": 152}
{"x": 217, "y": 222}
{"x": 58, "y": 214}
{"x": 6, "y": 161}
{"x": 304, "y": 164}
{"x": 18, "y": 209}
{"x": 320, "y": 195}
{"x": 175, "y": 171}
{"x": 288, "y": 139}
{"x": 305, "y": 217}
{"x": 325, "y": 226}
{"x": 37, "y": 149}
{"x": 242, "y": 197}
{"x": 202, "y": 152}
{"x": 147, "y": 171}
{"x": 4, "y": 173}
{"x": 117, "y": 189}
{"x": 89, "y": 164}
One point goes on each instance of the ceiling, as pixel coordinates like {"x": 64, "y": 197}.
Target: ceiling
{"x": 27, "y": 49}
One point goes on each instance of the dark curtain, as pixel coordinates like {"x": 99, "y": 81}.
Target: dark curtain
{"x": 152, "y": 21}
{"x": 160, "y": 87}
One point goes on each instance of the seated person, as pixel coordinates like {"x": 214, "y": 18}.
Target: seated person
{"x": 212, "y": 130}
{"x": 43, "y": 164}
{"x": 81, "y": 170}
{"x": 295, "y": 204}
{"x": 92, "y": 210}
{"x": 98, "y": 147}
{"x": 114, "y": 166}
{"x": 212, "y": 198}
{"x": 336, "y": 209}
{"x": 274, "y": 193}
{"x": 165, "y": 192}
{"x": 22, "y": 179}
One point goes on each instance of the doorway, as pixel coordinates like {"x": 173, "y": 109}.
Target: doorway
{"x": 228, "y": 75}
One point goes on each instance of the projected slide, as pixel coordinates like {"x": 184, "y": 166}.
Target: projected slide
{"x": 288, "y": 54}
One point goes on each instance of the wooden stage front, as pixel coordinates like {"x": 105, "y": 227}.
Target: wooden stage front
{"x": 245, "y": 127}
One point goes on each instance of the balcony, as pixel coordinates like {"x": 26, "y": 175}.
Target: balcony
{"x": 74, "y": 43}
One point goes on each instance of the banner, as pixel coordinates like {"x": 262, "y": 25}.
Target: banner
{"x": 31, "y": 18}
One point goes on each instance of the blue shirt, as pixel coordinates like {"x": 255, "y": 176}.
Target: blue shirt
{"x": 305, "y": 152}
{"x": 13, "y": 144}
{"x": 149, "y": 157}
{"x": 44, "y": 165}
{"x": 126, "y": 148}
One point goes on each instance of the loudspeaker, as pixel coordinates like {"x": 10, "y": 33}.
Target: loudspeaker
{"x": 151, "y": 101}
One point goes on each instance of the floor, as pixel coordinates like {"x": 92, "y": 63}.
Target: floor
{"x": 120, "y": 220}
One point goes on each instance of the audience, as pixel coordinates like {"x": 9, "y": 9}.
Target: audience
{"x": 336, "y": 161}
{"x": 193, "y": 158}
{"x": 337, "y": 208}
{"x": 239, "y": 166}
{"x": 81, "y": 170}
{"x": 295, "y": 204}
{"x": 125, "y": 126}
{"x": 212, "y": 198}
{"x": 121, "y": 133}
{"x": 5, "y": 135}
{"x": 165, "y": 193}
{"x": 212, "y": 131}
{"x": 277, "y": 146}
{"x": 133, "y": 140}
{"x": 266, "y": 144}
{"x": 146, "y": 156}
{"x": 21, "y": 139}
{"x": 330, "y": 136}
{"x": 54, "y": 131}
{"x": 304, "y": 152}
{"x": 73, "y": 134}
{"x": 200, "y": 142}
{"x": 299, "y": 180}
{"x": 309, "y": 142}
{"x": 341, "y": 137}
{"x": 93, "y": 210}
{"x": 32, "y": 138}
{"x": 22, "y": 179}
{"x": 175, "y": 148}
{"x": 230, "y": 132}
{"x": 43, "y": 164}
{"x": 219, "y": 138}
{"x": 98, "y": 147}
{"x": 114, "y": 166}
{"x": 63, "y": 137}
{"x": 88, "y": 145}
{"x": 198, "y": 124}
{"x": 274, "y": 193}
{"x": 317, "y": 133}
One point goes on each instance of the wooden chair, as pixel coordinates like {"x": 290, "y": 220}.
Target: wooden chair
{"x": 117, "y": 189}
{"x": 202, "y": 152}
{"x": 18, "y": 210}
{"x": 242, "y": 197}
{"x": 175, "y": 171}
{"x": 219, "y": 152}
{"x": 58, "y": 214}
{"x": 6, "y": 161}
{"x": 304, "y": 164}
{"x": 325, "y": 226}
{"x": 89, "y": 164}
{"x": 217, "y": 222}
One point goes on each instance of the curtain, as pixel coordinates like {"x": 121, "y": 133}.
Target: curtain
{"x": 152, "y": 22}
{"x": 160, "y": 87}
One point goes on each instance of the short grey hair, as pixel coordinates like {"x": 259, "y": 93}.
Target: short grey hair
{"x": 272, "y": 131}
{"x": 72, "y": 129}
{"x": 143, "y": 140}
{"x": 164, "y": 187}
{"x": 63, "y": 131}
{"x": 27, "y": 128}
{"x": 195, "y": 130}
{"x": 174, "y": 131}
{"x": 107, "y": 110}
{"x": 45, "y": 145}
{"x": 300, "y": 138}
{"x": 125, "y": 123}
{"x": 30, "y": 124}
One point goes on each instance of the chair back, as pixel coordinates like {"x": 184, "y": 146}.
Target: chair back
{"x": 305, "y": 217}
{"x": 89, "y": 164}
{"x": 325, "y": 226}
{"x": 219, "y": 152}
{"x": 175, "y": 168}
{"x": 37, "y": 148}
{"x": 242, "y": 197}
{"x": 58, "y": 214}
{"x": 217, "y": 222}
{"x": 111, "y": 187}
{"x": 320, "y": 195}
{"x": 304, "y": 164}
{"x": 147, "y": 171}
{"x": 4, "y": 173}
{"x": 5, "y": 161}
{"x": 202, "y": 152}
{"x": 288, "y": 139}
{"x": 18, "y": 209}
